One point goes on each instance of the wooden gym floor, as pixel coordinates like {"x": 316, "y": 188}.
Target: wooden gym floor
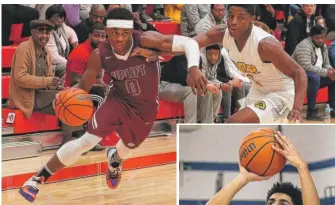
{"x": 149, "y": 178}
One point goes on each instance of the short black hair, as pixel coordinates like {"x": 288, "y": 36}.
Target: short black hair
{"x": 214, "y": 46}
{"x": 96, "y": 26}
{"x": 317, "y": 30}
{"x": 286, "y": 188}
{"x": 55, "y": 9}
{"x": 120, "y": 13}
{"x": 250, "y": 8}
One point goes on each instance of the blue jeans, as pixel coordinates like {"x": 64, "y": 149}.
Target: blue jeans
{"x": 315, "y": 82}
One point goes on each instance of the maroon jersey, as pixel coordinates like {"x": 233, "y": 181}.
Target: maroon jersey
{"x": 134, "y": 82}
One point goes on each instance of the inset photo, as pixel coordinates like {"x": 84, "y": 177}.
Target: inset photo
{"x": 256, "y": 164}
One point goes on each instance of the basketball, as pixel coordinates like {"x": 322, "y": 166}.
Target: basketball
{"x": 256, "y": 153}
{"x": 73, "y": 106}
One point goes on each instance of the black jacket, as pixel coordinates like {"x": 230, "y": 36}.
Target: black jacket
{"x": 175, "y": 71}
{"x": 266, "y": 17}
{"x": 296, "y": 31}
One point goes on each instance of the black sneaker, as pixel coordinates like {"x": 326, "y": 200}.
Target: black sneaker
{"x": 332, "y": 113}
{"x": 312, "y": 114}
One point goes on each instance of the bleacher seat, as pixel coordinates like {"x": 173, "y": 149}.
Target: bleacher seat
{"x": 5, "y": 86}
{"x": 15, "y": 34}
{"x": 38, "y": 122}
{"x": 7, "y": 55}
{"x": 279, "y": 15}
{"x": 322, "y": 96}
{"x": 167, "y": 28}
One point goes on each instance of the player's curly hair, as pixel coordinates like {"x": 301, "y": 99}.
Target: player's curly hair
{"x": 286, "y": 188}
{"x": 250, "y": 8}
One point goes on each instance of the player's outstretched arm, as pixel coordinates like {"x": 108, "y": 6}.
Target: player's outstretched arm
{"x": 308, "y": 189}
{"x": 271, "y": 50}
{"x": 175, "y": 43}
{"x": 90, "y": 75}
{"x": 226, "y": 194}
{"x": 213, "y": 36}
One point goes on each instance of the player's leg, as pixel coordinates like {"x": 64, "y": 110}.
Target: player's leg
{"x": 98, "y": 95}
{"x": 216, "y": 103}
{"x": 173, "y": 92}
{"x": 132, "y": 133}
{"x": 72, "y": 150}
{"x": 205, "y": 108}
{"x": 312, "y": 90}
{"x": 272, "y": 108}
{"x": 331, "y": 92}
{"x": 116, "y": 156}
{"x": 245, "y": 115}
{"x": 65, "y": 156}
{"x": 226, "y": 104}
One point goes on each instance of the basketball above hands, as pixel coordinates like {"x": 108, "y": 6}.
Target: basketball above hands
{"x": 256, "y": 153}
{"x": 73, "y": 106}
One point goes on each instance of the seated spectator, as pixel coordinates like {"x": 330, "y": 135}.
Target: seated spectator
{"x": 298, "y": 29}
{"x": 263, "y": 26}
{"x": 96, "y": 15}
{"x": 33, "y": 86}
{"x": 109, "y": 7}
{"x": 158, "y": 14}
{"x": 331, "y": 37}
{"x": 312, "y": 55}
{"x": 73, "y": 14}
{"x": 140, "y": 9}
{"x": 216, "y": 16}
{"x": 328, "y": 12}
{"x": 227, "y": 72}
{"x": 77, "y": 64}
{"x": 266, "y": 14}
{"x": 173, "y": 11}
{"x": 61, "y": 38}
{"x": 173, "y": 88}
{"x": 41, "y": 8}
{"x": 78, "y": 59}
{"x": 16, "y": 14}
{"x": 319, "y": 20}
{"x": 84, "y": 11}
{"x": 191, "y": 14}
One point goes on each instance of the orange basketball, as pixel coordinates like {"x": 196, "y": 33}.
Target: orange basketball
{"x": 73, "y": 106}
{"x": 256, "y": 153}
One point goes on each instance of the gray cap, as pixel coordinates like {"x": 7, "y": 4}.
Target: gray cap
{"x": 41, "y": 23}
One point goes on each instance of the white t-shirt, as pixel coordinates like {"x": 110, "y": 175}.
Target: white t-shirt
{"x": 319, "y": 61}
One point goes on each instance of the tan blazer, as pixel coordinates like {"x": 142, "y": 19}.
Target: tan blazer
{"x": 23, "y": 81}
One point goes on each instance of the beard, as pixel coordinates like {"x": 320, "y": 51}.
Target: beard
{"x": 316, "y": 45}
{"x": 94, "y": 45}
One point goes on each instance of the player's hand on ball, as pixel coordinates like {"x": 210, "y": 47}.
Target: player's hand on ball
{"x": 295, "y": 116}
{"x": 196, "y": 80}
{"x": 289, "y": 151}
{"x": 213, "y": 88}
{"x": 250, "y": 177}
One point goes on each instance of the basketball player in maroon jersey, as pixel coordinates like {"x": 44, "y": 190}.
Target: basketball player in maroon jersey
{"x": 280, "y": 193}
{"x": 131, "y": 104}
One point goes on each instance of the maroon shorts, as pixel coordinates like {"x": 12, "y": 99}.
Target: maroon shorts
{"x": 113, "y": 115}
